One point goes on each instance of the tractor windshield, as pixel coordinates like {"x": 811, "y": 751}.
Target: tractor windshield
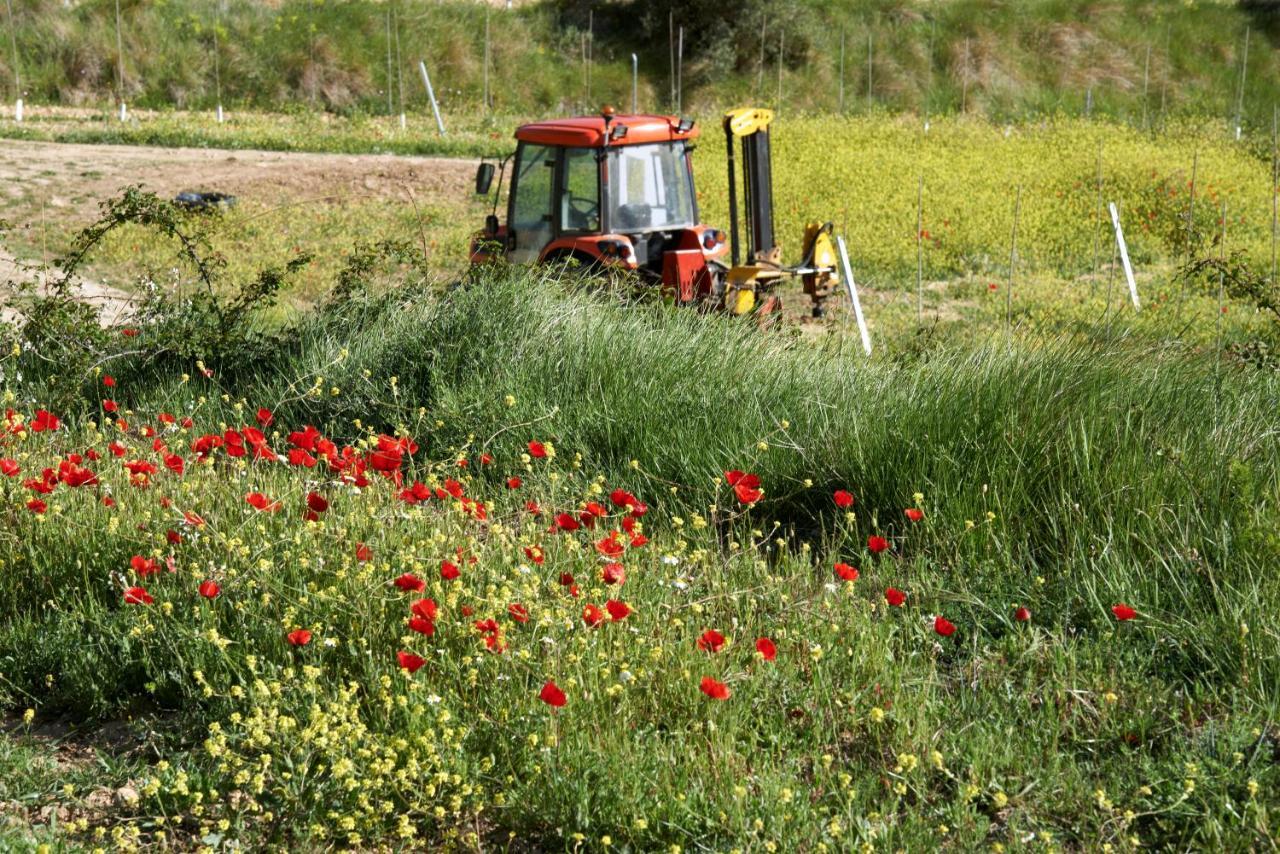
{"x": 650, "y": 187}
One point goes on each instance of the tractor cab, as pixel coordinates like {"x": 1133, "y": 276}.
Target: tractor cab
{"x": 607, "y": 189}
{"x": 617, "y": 191}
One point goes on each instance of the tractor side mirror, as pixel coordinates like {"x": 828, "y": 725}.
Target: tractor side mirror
{"x": 484, "y": 178}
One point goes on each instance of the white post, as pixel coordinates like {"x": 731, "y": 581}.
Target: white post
{"x": 124, "y": 112}
{"x": 220, "y": 115}
{"x": 431, "y": 95}
{"x": 404, "y": 122}
{"x": 635, "y": 82}
{"x": 1124, "y": 254}
{"x": 852, "y": 290}
{"x": 17, "y": 111}
{"x": 680, "y": 71}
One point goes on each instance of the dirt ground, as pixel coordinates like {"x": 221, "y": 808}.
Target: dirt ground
{"x": 46, "y": 186}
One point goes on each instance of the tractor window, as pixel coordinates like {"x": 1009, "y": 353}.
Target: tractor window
{"x": 580, "y": 195}
{"x": 650, "y": 187}
{"x": 530, "y": 217}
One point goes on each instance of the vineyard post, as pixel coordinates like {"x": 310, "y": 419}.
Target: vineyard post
{"x": 1097, "y": 224}
{"x": 591, "y": 49}
{"x": 851, "y": 288}
{"x": 217, "y": 70}
{"x": 1124, "y": 256}
{"x": 671, "y": 50}
{"x": 1275, "y": 190}
{"x": 1164, "y": 77}
{"x": 920, "y": 251}
{"x": 964, "y": 80}
{"x": 764, "y": 21}
{"x": 1088, "y": 101}
{"x": 928, "y": 86}
{"x": 680, "y": 71}
{"x": 781, "y": 61}
{"x": 124, "y": 111}
{"x": 1013, "y": 263}
{"x": 487, "y": 10}
{"x": 1146, "y": 74}
{"x": 431, "y": 95}
{"x": 842, "y": 68}
{"x": 17, "y": 77}
{"x": 400, "y": 69}
{"x": 1244, "y": 71}
{"x": 870, "y": 54}
{"x": 390, "y": 102}
{"x": 635, "y": 82}
{"x": 1191, "y": 233}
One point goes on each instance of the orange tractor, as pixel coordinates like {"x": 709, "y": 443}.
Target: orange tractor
{"x": 613, "y": 191}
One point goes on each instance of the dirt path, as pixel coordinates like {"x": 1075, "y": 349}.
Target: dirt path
{"x": 113, "y": 305}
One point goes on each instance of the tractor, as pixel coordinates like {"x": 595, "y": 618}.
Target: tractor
{"x": 616, "y": 192}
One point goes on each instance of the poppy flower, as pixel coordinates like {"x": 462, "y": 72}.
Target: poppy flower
{"x": 1022, "y": 615}
{"x": 173, "y": 537}
{"x": 110, "y": 406}
{"x": 566, "y": 522}
{"x": 552, "y": 695}
{"x": 745, "y": 486}
{"x": 37, "y": 506}
{"x": 108, "y": 380}
{"x": 298, "y": 637}
{"x": 768, "y": 649}
{"x": 518, "y": 612}
{"x": 623, "y": 499}
{"x": 711, "y": 641}
{"x": 45, "y": 420}
{"x": 422, "y": 626}
{"x": 843, "y": 499}
{"x": 265, "y": 417}
{"x": 1123, "y": 612}
{"x": 410, "y": 583}
{"x": 613, "y": 573}
{"x": 137, "y": 596}
{"x": 714, "y": 688}
{"x": 261, "y": 503}
{"x": 610, "y": 546}
{"x": 617, "y": 610}
{"x": 449, "y": 571}
{"x": 175, "y": 463}
{"x": 409, "y": 661}
{"x": 913, "y": 514}
{"x": 848, "y": 573}
{"x": 592, "y": 615}
{"x": 9, "y": 468}
{"x": 877, "y": 544}
{"x": 895, "y": 597}
{"x": 316, "y": 502}
{"x": 537, "y": 450}
{"x": 514, "y": 483}
{"x": 129, "y": 333}
{"x": 210, "y": 589}
{"x": 943, "y": 626}
{"x": 364, "y": 554}
{"x": 299, "y": 457}
{"x": 144, "y": 566}
{"x": 425, "y": 608}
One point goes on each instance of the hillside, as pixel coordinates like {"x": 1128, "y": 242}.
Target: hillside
{"x": 1140, "y": 61}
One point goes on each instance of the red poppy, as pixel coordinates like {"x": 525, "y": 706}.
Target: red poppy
{"x": 537, "y": 450}
{"x": 943, "y": 626}
{"x": 711, "y": 641}
{"x": 261, "y": 503}
{"x": 44, "y": 420}
{"x": 298, "y": 637}
{"x": 1123, "y": 612}
{"x": 745, "y": 486}
{"x": 137, "y": 596}
{"x": 425, "y": 608}
{"x": 843, "y": 499}
{"x": 129, "y": 333}
{"x": 299, "y": 457}
{"x": 552, "y": 695}
{"x": 449, "y": 571}
{"x": 144, "y": 566}
{"x": 175, "y": 463}
{"x": 617, "y": 610}
{"x": 714, "y": 688}
{"x": 566, "y": 522}
{"x": 410, "y": 583}
{"x": 265, "y": 417}
{"x": 622, "y": 498}
{"x": 847, "y": 572}
{"x": 535, "y": 554}
{"x": 613, "y": 573}
{"x": 409, "y": 661}
{"x": 364, "y": 554}
{"x": 768, "y": 649}
{"x": 518, "y": 612}
{"x": 610, "y": 546}
{"x": 1022, "y": 615}
{"x": 913, "y": 514}
{"x": 592, "y": 615}
{"x": 514, "y": 483}
{"x": 210, "y": 589}
{"x": 877, "y": 544}
{"x": 316, "y": 502}
{"x": 173, "y": 537}
{"x": 9, "y": 468}
{"x": 36, "y": 505}
{"x": 108, "y": 380}
{"x": 110, "y": 406}
{"x": 422, "y": 626}
{"x": 895, "y": 597}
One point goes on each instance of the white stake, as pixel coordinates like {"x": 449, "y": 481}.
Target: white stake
{"x": 635, "y": 82}
{"x": 1124, "y": 254}
{"x": 124, "y": 112}
{"x": 431, "y": 95}
{"x": 220, "y": 116}
{"x": 852, "y": 289}
{"x": 403, "y": 122}
{"x": 17, "y": 111}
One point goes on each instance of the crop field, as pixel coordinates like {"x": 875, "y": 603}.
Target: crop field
{"x": 314, "y": 537}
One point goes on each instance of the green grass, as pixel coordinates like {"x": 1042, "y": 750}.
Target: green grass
{"x": 1062, "y": 476}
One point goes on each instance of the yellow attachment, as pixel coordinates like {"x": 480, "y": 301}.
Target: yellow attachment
{"x": 818, "y": 246}
{"x": 747, "y": 120}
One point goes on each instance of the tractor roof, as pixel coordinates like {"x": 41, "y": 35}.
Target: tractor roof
{"x": 589, "y": 131}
